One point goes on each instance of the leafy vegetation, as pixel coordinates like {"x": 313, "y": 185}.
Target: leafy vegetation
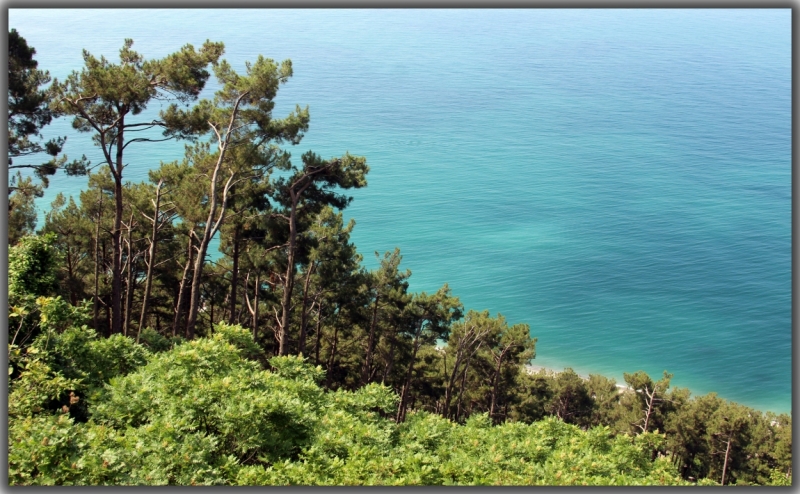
{"x": 134, "y": 360}
{"x": 202, "y": 413}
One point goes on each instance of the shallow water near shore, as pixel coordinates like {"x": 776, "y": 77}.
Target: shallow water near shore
{"x": 618, "y": 179}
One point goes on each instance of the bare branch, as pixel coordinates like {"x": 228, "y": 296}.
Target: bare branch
{"x": 145, "y": 139}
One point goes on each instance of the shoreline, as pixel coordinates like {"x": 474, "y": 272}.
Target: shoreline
{"x": 533, "y": 369}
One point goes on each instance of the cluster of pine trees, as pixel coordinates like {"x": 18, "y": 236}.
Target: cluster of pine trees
{"x": 284, "y": 360}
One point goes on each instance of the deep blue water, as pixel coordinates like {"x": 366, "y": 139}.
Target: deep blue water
{"x": 618, "y": 179}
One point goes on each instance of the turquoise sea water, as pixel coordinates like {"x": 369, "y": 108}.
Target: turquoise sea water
{"x": 618, "y": 179}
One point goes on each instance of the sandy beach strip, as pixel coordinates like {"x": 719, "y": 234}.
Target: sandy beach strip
{"x": 533, "y": 369}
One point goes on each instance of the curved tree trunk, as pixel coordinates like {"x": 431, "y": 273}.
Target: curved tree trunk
{"x": 96, "y": 302}
{"x": 401, "y": 410}
{"x": 116, "y": 269}
{"x": 253, "y": 309}
{"x": 496, "y": 382}
{"x": 461, "y": 390}
{"x": 214, "y": 220}
{"x": 234, "y": 274}
{"x": 194, "y": 297}
{"x": 725, "y": 464}
{"x": 465, "y": 349}
{"x": 301, "y": 344}
{"x": 151, "y": 256}
{"x": 448, "y": 390}
{"x": 332, "y": 357}
{"x": 318, "y": 333}
{"x": 71, "y": 262}
{"x": 650, "y": 401}
{"x": 390, "y": 364}
{"x": 288, "y": 284}
{"x": 179, "y": 305}
{"x": 129, "y": 281}
{"x": 367, "y": 368}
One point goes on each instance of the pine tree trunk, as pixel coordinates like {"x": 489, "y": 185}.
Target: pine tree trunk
{"x": 179, "y": 305}
{"x": 463, "y": 355}
{"x": 301, "y": 344}
{"x": 194, "y": 297}
{"x": 211, "y": 313}
{"x": 367, "y": 368}
{"x": 213, "y": 222}
{"x": 448, "y": 390}
{"x": 73, "y": 297}
{"x": 129, "y": 282}
{"x": 461, "y": 390}
{"x": 318, "y": 332}
{"x": 96, "y": 305}
{"x": 390, "y": 363}
{"x": 151, "y": 255}
{"x": 332, "y": 357}
{"x": 108, "y": 316}
{"x": 234, "y": 274}
{"x": 496, "y": 383}
{"x": 650, "y": 399}
{"x": 288, "y": 285}
{"x": 255, "y": 308}
{"x": 243, "y": 302}
{"x": 401, "y": 411}
{"x": 725, "y": 464}
{"x": 116, "y": 269}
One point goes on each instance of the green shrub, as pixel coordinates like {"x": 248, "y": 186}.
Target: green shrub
{"x": 201, "y": 413}
{"x": 156, "y": 342}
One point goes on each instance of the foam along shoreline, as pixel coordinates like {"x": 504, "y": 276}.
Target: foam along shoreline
{"x": 533, "y": 369}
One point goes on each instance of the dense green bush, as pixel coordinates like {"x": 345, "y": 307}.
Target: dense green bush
{"x": 206, "y": 413}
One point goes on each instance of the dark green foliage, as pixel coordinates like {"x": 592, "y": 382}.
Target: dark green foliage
{"x": 101, "y": 92}
{"x": 571, "y": 400}
{"x": 156, "y": 342}
{"x": 21, "y": 208}
{"x": 605, "y": 395}
{"x": 43, "y": 450}
{"x": 649, "y": 404}
{"x": 32, "y": 267}
{"x": 28, "y": 113}
{"x": 27, "y": 103}
{"x": 78, "y": 354}
{"x": 35, "y": 388}
{"x": 73, "y": 231}
{"x": 533, "y": 397}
